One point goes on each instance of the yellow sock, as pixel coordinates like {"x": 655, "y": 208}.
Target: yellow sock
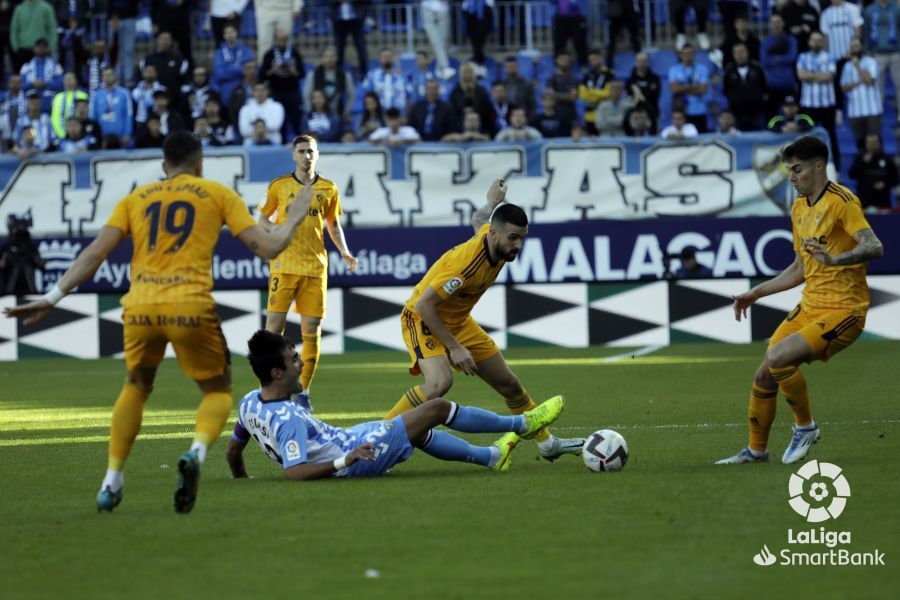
{"x": 793, "y": 386}
{"x": 522, "y": 403}
{"x": 212, "y": 416}
{"x": 309, "y": 353}
{"x": 412, "y": 398}
{"x": 761, "y": 414}
{"x": 126, "y": 423}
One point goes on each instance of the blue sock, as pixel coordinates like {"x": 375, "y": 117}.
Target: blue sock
{"x": 470, "y": 419}
{"x": 446, "y": 446}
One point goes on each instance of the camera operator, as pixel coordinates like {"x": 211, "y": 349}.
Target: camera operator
{"x": 19, "y": 258}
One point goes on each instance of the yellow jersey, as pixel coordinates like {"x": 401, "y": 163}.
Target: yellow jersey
{"x": 306, "y": 254}
{"x": 833, "y": 219}
{"x": 175, "y": 225}
{"x": 460, "y": 276}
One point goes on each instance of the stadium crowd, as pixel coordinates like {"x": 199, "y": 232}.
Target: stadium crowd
{"x": 67, "y": 91}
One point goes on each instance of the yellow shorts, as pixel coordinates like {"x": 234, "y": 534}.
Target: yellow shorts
{"x": 421, "y": 343}
{"x": 827, "y": 331}
{"x": 193, "y": 329}
{"x": 307, "y": 292}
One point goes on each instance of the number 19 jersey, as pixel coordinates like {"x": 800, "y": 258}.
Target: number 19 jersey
{"x": 175, "y": 225}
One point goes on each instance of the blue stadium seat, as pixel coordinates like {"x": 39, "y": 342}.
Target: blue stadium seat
{"x": 661, "y": 60}
{"x": 545, "y": 68}
{"x": 623, "y": 63}
{"x": 248, "y": 22}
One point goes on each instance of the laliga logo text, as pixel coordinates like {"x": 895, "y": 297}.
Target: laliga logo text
{"x": 818, "y": 492}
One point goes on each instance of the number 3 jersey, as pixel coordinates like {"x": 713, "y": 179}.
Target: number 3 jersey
{"x": 175, "y": 225}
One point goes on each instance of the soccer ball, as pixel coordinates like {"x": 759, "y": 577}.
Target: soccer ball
{"x": 605, "y": 450}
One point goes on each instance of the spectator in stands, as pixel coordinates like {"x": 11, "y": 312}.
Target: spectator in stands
{"x": 111, "y": 107}
{"x": 816, "y": 72}
{"x": 479, "y": 16}
{"x": 63, "y": 105}
{"x": 243, "y": 92}
{"x": 40, "y": 135}
{"x": 203, "y": 133}
{"x": 320, "y": 121}
{"x": 778, "y": 58}
{"x": 859, "y": 80}
{"x": 570, "y": 23}
{"x": 594, "y": 87}
{"x": 142, "y": 94}
{"x": 623, "y": 14}
{"x": 436, "y": 21}
{"x": 261, "y": 106}
{"x": 726, "y": 123}
{"x": 75, "y": 141}
{"x": 223, "y": 13}
{"x": 801, "y": 20}
{"x": 472, "y": 130}
{"x": 25, "y": 146}
{"x": 564, "y": 85}
{"x": 518, "y": 129}
{"x": 639, "y": 123}
{"x": 730, "y": 12}
{"x": 690, "y": 268}
{"x": 71, "y": 52}
{"x": 416, "y": 80}
{"x": 519, "y": 91}
{"x": 283, "y": 68}
{"x": 549, "y": 122}
{"x": 13, "y": 105}
{"x": 347, "y": 20}
{"x": 742, "y": 35}
{"x": 111, "y": 142}
{"x": 230, "y": 65}
{"x": 100, "y": 57}
{"x": 431, "y": 116}
{"x": 42, "y": 73}
{"x": 882, "y": 39}
{"x": 195, "y": 94}
{"x": 89, "y": 126}
{"x": 150, "y": 136}
{"x": 690, "y": 82}
{"x": 219, "y": 126}
{"x": 123, "y": 25}
{"x": 790, "y": 120}
{"x": 610, "y": 116}
{"x": 272, "y": 15}
{"x": 32, "y": 20}
{"x": 644, "y": 85}
{"x": 169, "y": 120}
{"x": 171, "y": 68}
{"x": 259, "y": 135}
{"x": 746, "y": 88}
{"x": 469, "y": 94}
{"x": 6, "y": 12}
{"x": 681, "y": 128}
{"x": 701, "y": 12}
{"x": 334, "y": 82}
{"x": 840, "y": 23}
{"x": 174, "y": 17}
{"x": 395, "y": 133}
{"x": 875, "y": 173}
{"x": 387, "y": 82}
{"x": 499, "y": 109}
{"x": 372, "y": 116}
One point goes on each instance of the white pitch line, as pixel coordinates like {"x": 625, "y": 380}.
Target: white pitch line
{"x": 639, "y": 352}
{"x": 714, "y": 425}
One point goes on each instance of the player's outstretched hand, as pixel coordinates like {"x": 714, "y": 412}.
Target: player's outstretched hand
{"x": 351, "y": 261}
{"x": 299, "y": 208}
{"x": 462, "y": 358}
{"x": 818, "y": 251}
{"x": 32, "y": 312}
{"x": 741, "y": 303}
{"x": 497, "y": 192}
{"x": 361, "y": 452}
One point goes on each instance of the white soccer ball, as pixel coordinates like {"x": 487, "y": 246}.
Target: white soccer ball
{"x": 605, "y": 450}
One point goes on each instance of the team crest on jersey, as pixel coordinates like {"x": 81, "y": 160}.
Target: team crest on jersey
{"x": 430, "y": 344}
{"x": 292, "y": 450}
{"x": 320, "y": 198}
{"x": 452, "y": 285}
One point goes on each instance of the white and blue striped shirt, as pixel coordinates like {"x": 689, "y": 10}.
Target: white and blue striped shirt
{"x": 814, "y": 94}
{"x": 390, "y": 87}
{"x": 839, "y": 23}
{"x": 863, "y": 100}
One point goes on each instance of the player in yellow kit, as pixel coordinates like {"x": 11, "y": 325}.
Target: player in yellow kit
{"x": 440, "y": 332}
{"x": 175, "y": 225}
{"x": 832, "y": 242}
{"x": 300, "y": 273}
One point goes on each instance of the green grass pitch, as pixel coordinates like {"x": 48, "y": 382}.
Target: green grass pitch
{"x": 670, "y": 525}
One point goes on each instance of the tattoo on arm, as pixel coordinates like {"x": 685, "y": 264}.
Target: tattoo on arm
{"x": 481, "y": 216}
{"x": 868, "y": 246}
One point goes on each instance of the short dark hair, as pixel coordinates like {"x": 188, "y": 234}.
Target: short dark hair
{"x": 509, "y": 213}
{"x": 392, "y": 113}
{"x": 305, "y": 138}
{"x": 808, "y": 147}
{"x": 181, "y": 147}
{"x": 265, "y": 353}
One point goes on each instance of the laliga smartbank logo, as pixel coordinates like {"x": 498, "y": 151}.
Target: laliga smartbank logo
{"x": 818, "y": 492}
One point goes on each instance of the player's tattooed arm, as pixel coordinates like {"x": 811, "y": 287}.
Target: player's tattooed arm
{"x": 495, "y": 196}
{"x": 868, "y": 246}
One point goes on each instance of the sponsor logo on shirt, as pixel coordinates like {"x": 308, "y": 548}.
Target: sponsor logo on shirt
{"x": 452, "y": 285}
{"x": 293, "y": 450}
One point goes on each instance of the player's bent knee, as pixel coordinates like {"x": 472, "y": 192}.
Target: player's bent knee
{"x": 437, "y": 388}
{"x": 777, "y": 357}
{"x": 763, "y": 378}
{"x": 438, "y": 410}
